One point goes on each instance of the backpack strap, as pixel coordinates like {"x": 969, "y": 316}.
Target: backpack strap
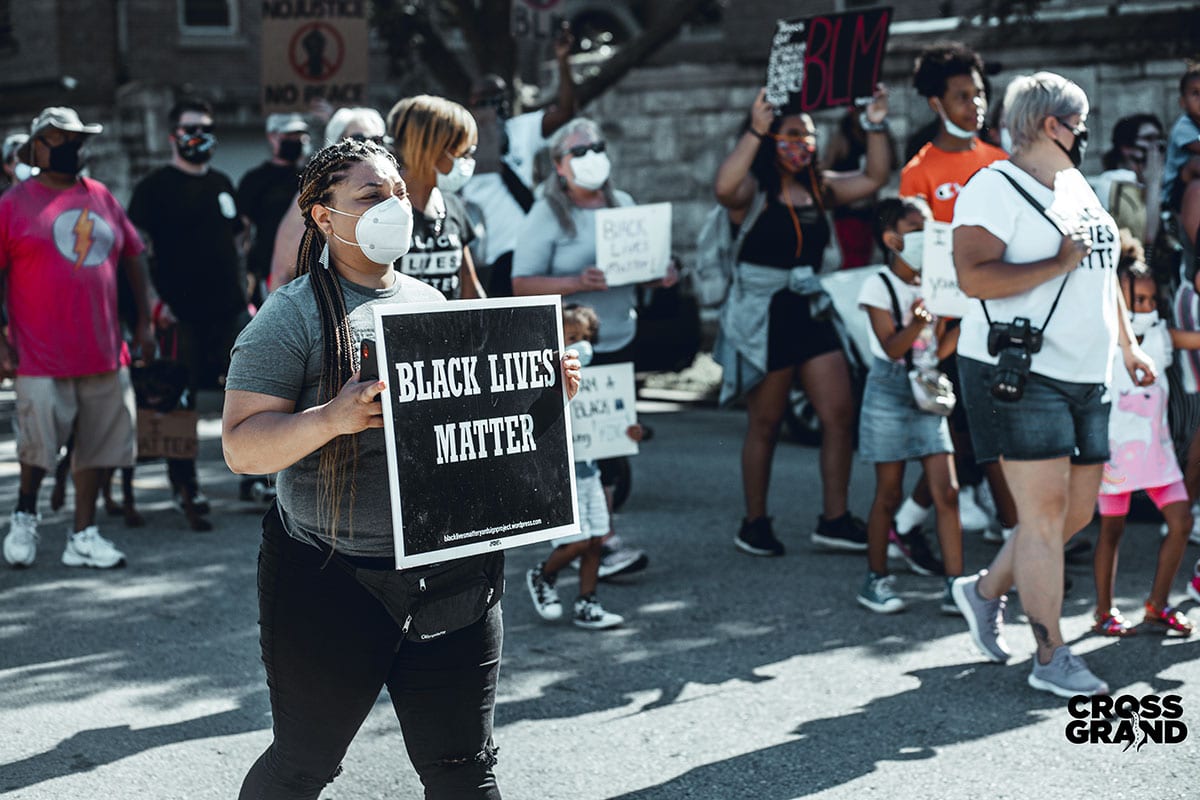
{"x": 1041, "y": 210}
{"x": 516, "y": 187}
{"x": 757, "y": 205}
{"x": 908, "y": 359}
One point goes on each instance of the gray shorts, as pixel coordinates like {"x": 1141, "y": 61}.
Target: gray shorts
{"x": 890, "y": 426}
{"x": 593, "y": 511}
{"x": 1053, "y": 419}
{"x": 100, "y": 409}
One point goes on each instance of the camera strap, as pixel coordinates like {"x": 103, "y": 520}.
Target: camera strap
{"x": 1041, "y": 210}
{"x": 908, "y": 359}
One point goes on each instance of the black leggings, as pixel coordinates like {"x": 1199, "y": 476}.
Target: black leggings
{"x": 329, "y": 647}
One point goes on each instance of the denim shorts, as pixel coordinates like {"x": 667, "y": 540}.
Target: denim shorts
{"x": 891, "y": 427}
{"x": 1052, "y": 419}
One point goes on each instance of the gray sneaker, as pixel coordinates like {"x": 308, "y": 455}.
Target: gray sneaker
{"x": 1066, "y": 675}
{"x": 985, "y": 618}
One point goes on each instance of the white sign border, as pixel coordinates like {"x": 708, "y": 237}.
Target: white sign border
{"x": 403, "y": 561}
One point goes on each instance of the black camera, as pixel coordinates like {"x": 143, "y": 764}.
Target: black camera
{"x": 1015, "y": 342}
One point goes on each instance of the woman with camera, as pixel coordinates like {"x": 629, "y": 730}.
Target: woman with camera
{"x": 1034, "y": 244}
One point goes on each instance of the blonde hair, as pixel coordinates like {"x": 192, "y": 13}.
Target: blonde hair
{"x": 1031, "y": 98}
{"x": 424, "y": 127}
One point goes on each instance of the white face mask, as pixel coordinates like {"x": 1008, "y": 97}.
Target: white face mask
{"x": 585, "y": 350}
{"x": 384, "y": 231}
{"x": 1143, "y": 322}
{"x": 914, "y": 250}
{"x": 460, "y": 172}
{"x": 1006, "y": 140}
{"x": 951, "y": 128}
{"x": 591, "y": 170}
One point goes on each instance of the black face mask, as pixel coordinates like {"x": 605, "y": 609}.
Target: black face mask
{"x": 196, "y": 148}
{"x": 1077, "y": 149}
{"x": 291, "y": 149}
{"x": 64, "y": 158}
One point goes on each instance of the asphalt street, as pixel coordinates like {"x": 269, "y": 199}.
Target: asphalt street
{"x": 734, "y": 677}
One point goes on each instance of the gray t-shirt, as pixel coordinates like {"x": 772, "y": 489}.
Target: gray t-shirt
{"x": 279, "y": 354}
{"x": 544, "y": 248}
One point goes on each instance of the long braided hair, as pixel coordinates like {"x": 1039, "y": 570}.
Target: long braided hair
{"x": 339, "y": 458}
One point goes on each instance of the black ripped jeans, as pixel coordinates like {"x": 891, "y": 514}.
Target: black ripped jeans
{"x": 329, "y": 647}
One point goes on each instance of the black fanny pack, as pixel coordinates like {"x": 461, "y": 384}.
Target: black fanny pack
{"x": 430, "y": 602}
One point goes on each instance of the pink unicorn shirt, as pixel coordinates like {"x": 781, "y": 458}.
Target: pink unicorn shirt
{"x": 1139, "y": 438}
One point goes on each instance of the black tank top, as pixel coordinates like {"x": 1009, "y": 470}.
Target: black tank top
{"x": 772, "y": 240}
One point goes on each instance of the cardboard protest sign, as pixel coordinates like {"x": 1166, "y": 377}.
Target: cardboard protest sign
{"x": 633, "y": 243}
{"x": 166, "y": 434}
{"x": 311, "y": 51}
{"x": 827, "y": 61}
{"x": 938, "y": 277}
{"x": 477, "y": 430}
{"x": 604, "y": 408}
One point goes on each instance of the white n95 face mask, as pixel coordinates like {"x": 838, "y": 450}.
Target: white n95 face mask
{"x": 460, "y": 172}
{"x": 384, "y": 231}
{"x": 914, "y": 250}
{"x": 591, "y": 170}
{"x": 1143, "y": 322}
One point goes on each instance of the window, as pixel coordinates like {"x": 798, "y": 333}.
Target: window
{"x": 207, "y": 16}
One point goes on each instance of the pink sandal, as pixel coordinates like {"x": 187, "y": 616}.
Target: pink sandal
{"x": 1111, "y": 623}
{"x": 1167, "y": 620}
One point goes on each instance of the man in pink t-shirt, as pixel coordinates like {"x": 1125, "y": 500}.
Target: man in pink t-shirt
{"x": 62, "y": 239}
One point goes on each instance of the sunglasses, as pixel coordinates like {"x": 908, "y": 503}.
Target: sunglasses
{"x": 790, "y": 142}
{"x": 581, "y": 150}
{"x": 383, "y": 141}
{"x": 1080, "y": 132}
{"x": 193, "y": 130}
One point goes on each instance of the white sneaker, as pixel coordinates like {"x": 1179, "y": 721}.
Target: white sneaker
{"x": 87, "y": 548}
{"x": 20, "y": 545}
{"x": 591, "y": 615}
{"x": 972, "y": 516}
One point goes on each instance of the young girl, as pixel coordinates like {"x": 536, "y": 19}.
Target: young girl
{"x": 581, "y": 328}
{"x": 1142, "y": 458}
{"x": 892, "y": 429}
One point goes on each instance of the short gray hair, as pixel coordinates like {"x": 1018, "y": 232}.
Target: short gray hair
{"x": 577, "y": 125}
{"x": 366, "y": 118}
{"x": 1031, "y": 98}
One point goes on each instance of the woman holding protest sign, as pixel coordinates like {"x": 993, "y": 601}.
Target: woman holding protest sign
{"x": 434, "y": 140}
{"x": 777, "y": 324}
{"x": 328, "y": 587}
{"x": 556, "y": 254}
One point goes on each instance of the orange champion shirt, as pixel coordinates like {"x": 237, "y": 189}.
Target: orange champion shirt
{"x": 936, "y": 175}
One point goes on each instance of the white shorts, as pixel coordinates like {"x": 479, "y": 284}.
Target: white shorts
{"x": 593, "y": 511}
{"x": 100, "y": 409}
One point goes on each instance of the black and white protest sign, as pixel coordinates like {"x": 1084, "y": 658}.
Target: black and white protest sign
{"x": 826, "y": 61}
{"x": 603, "y": 411}
{"x": 477, "y": 429}
{"x": 939, "y": 280}
{"x": 633, "y": 243}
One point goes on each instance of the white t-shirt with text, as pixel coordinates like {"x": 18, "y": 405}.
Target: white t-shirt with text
{"x": 874, "y": 294}
{"x": 1079, "y": 342}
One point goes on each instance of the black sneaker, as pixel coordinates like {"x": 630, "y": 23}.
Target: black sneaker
{"x": 915, "y": 550}
{"x": 757, "y": 538}
{"x": 847, "y": 532}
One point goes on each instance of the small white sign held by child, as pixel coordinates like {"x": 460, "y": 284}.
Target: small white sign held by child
{"x": 633, "y": 244}
{"x": 939, "y": 281}
{"x": 602, "y": 412}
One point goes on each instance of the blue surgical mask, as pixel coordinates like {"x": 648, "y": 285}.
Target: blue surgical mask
{"x": 584, "y": 348}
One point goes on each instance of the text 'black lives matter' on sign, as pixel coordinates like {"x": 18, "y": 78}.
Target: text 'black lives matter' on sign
{"x": 477, "y": 429}
{"x": 314, "y": 49}
{"x": 827, "y": 61}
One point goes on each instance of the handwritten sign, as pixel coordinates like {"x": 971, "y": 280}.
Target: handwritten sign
{"x": 827, "y": 61}
{"x": 633, "y": 244}
{"x": 938, "y": 277}
{"x": 170, "y": 434}
{"x": 477, "y": 431}
{"x": 314, "y": 51}
{"x": 602, "y": 411}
